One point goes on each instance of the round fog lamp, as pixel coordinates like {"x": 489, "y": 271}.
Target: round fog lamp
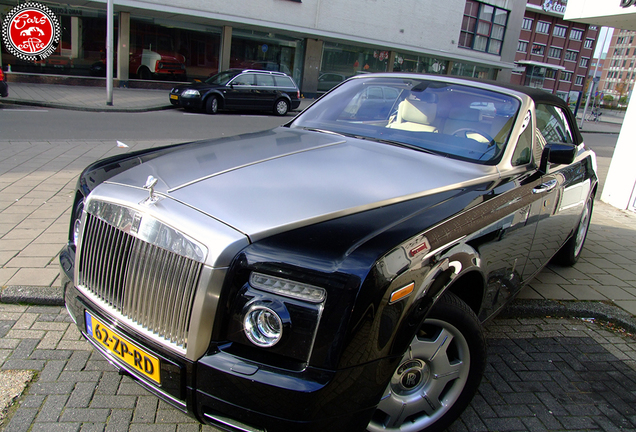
{"x": 263, "y": 326}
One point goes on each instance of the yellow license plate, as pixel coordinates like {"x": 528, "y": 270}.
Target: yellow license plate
{"x": 175, "y": 97}
{"x": 123, "y": 349}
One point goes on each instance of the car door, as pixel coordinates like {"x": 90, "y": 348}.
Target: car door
{"x": 505, "y": 243}
{"x": 563, "y": 190}
{"x": 239, "y": 91}
{"x": 265, "y": 92}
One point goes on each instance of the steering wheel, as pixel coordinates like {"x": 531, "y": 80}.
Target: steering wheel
{"x": 463, "y": 133}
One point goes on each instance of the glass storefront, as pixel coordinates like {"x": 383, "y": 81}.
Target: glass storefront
{"x": 178, "y": 50}
{"x": 267, "y": 51}
{"x": 419, "y": 64}
{"x": 473, "y": 71}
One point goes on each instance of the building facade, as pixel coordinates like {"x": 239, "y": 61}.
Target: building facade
{"x": 619, "y": 71}
{"x": 553, "y": 54}
{"x": 317, "y": 42}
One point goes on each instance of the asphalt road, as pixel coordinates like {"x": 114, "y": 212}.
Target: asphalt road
{"x": 46, "y": 124}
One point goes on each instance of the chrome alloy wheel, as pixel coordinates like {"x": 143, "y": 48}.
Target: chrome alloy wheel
{"x": 430, "y": 379}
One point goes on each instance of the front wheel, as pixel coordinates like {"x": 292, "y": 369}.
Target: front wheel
{"x": 439, "y": 373}
{"x": 281, "y": 107}
{"x": 212, "y": 105}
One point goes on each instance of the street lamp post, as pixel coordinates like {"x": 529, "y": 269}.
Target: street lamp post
{"x": 109, "y": 53}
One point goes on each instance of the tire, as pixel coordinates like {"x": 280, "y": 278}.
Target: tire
{"x": 439, "y": 374}
{"x": 570, "y": 252}
{"x": 144, "y": 73}
{"x": 212, "y": 105}
{"x": 281, "y": 107}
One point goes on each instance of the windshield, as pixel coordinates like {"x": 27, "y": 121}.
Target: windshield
{"x": 222, "y": 78}
{"x": 454, "y": 120}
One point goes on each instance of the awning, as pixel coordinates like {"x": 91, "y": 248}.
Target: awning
{"x": 536, "y": 63}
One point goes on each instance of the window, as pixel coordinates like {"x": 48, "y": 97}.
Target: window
{"x": 553, "y": 124}
{"x": 570, "y": 55}
{"x": 627, "y": 52}
{"x": 550, "y": 73}
{"x": 576, "y": 34}
{"x": 527, "y": 24}
{"x": 579, "y": 80}
{"x": 589, "y": 43}
{"x": 523, "y": 152}
{"x": 566, "y": 76}
{"x": 483, "y": 27}
{"x": 522, "y": 46}
{"x": 538, "y": 49}
{"x": 584, "y": 62}
{"x": 555, "y": 52}
{"x": 543, "y": 27}
{"x": 559, "y": 31}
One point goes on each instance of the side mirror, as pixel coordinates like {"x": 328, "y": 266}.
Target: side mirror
{"x": 557, "y": 153}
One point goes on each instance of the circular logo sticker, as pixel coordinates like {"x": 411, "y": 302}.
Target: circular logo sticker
{"x": 31, "y": 31}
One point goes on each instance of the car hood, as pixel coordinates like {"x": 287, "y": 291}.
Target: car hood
{"x": 269, "y": 182}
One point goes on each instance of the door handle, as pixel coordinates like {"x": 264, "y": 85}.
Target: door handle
{"x": 545, "y": 187}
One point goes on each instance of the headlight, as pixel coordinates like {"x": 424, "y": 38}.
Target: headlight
{"x": 191, "y": 93}
{"x": 263, "y": 326}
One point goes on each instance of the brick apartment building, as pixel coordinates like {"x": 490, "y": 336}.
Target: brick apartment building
{"x": 553, "y": 54}
{"x": 619, "y": 73}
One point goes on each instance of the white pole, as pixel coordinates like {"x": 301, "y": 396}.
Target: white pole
{"x": 587, "y": 101}
{"x": 109, "y": 53}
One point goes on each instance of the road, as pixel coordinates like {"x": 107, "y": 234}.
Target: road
{"x": 42, "y": 124}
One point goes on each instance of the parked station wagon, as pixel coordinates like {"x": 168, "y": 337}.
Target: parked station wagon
{"x": 242, "y": 89}
{"x": 333, "y": 273}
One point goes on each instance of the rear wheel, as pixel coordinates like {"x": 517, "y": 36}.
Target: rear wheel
{"x": 571, "y": 250}
{"x": 439, "y": 374}
{"x": 281, "y": 107}
{"x": 212, "y": 105}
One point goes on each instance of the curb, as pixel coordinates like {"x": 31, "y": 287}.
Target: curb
{"x": 34, "y": 295}
{"x": 570, "y": 309}
{"x": 90, "y": 109}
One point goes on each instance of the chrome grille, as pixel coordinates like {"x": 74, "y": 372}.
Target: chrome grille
{"x": 150, "y": 286}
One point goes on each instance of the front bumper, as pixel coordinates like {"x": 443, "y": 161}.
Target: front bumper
{"x": 220, "y": 387}
{"x": 186, "y": 102}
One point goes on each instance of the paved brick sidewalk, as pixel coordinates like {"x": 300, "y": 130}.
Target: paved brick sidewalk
{"x": 542, "y": 374}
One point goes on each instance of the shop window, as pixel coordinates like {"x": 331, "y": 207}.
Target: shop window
{"x": 472, "y": 71}
{"x": 405, "y": 62}
{"x": 483, "y": 27}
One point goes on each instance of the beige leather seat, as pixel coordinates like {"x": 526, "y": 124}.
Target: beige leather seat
{"x": 415, "y": 118}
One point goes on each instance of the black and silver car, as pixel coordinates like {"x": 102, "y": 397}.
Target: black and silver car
{"x": 333, "y": 273}
{"x": 239, "y": 89}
